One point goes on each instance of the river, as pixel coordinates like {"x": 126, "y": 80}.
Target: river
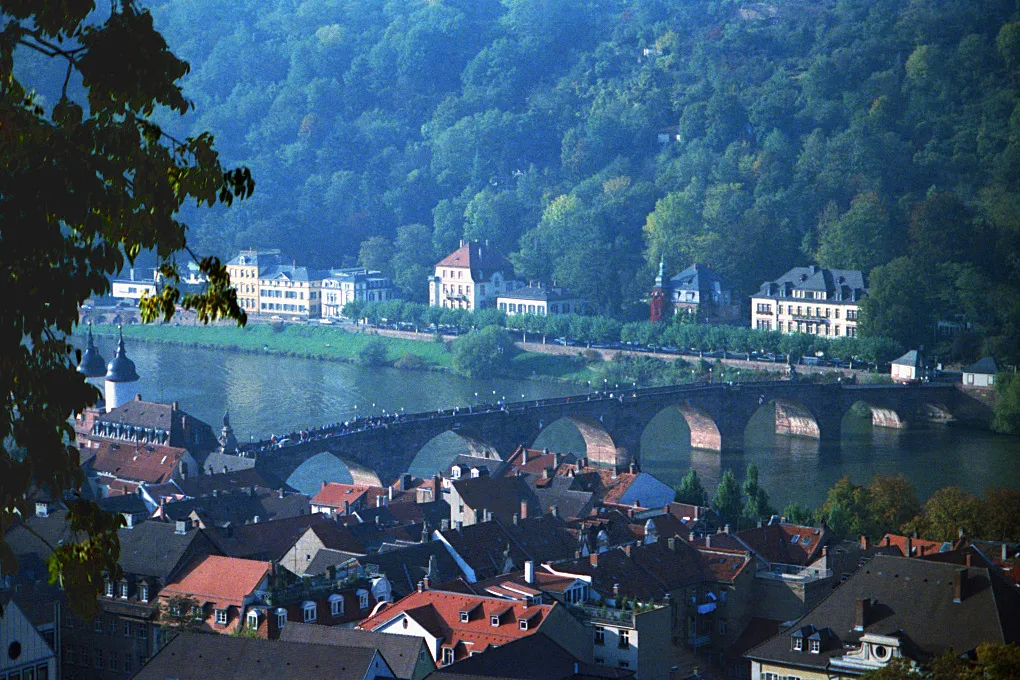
{"x": 269, "y": 394}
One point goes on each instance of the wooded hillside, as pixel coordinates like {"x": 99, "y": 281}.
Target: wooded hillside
{"x": 881, "y": 136}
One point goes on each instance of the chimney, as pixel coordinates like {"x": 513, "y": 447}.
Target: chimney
{"x": 347, "y": 507}
{"x": 960, "y": 533}
{"x": 885, "y": 540}
{"x": 378, "y": 501}
{"x": 690, "y": 537}
{"x": 389, "y": 493}
{"x": 215, "y": 493}
{"x": 864, "y": 542}
{"x": 1005, "y": 552}
{"x": 460, "y": 525}
{"x": 524, "y": 508}
{"x": 444, "y": 525}
{"x": 425, "y": 582}
{"x": 593, "y": 559}
{"x": 555, "y": 510}
{"x": 405, "y": 481}
{"x": 616, "y": 591}
{"x": 129, "y": 520}
{"x": 908, "y": 548}
{"x": 968, "y": 559}
{"x": 697, "y": 509}
{"x": 529, "y": 571}
{"x": 708, "y": 540}
{"x": 959, "y": 585}
{"x": 671, "y": 543}
{"x": 726, "y": 529}
{"x": 556, "y": 460}
{"x": 632, "y": 468}
{"x": 517, "y": 519}
{"x": 626, "y": 549}
{"x": 421, "y": 586}
{"x": 862, "y": 614}
{"x": 181, "y": 527}
{"x": 524, "y": 454}
{"x": 281, "y": 492}
{"x": 255, "y": 519}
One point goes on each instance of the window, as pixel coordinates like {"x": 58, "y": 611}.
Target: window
{"x": 143, "y": 592}
{"x": 600, "y": 660}
{"x": 624, "y": 639}
{"x": 600, "y": 635}
{"x": 142, "y": 631}
{"x": 114, "y": 661}
{"x": 363, "y": 599}
{"x": 281, "y": 618}
{"x": 463, "y": 617}
{"x": 722, "y": 627}
{"x": 798, "y": 644}
{"x": 624, "y": 663}
{"x": 83, "y": 657}
{"x": 494, "y": 620}
{"x": 447, "y": 656}
{"x": 128, "y": 666}
{"x": 123, "y": 590}
{"x": 309, "y": 612}
{"x": 221, "y": 616}
{"x": 523, "y": 624}
{"x": 99, "y": 624}
{"x": 113, "y": 626}
{"x": 253, "y": 620}
{"x": 127, "y": 626}
{"x": 69, "y": 654}
{"x": 100, "y": 663}
{"x": 336, "y": 605}
{"x": 108, "y": 588}
{"x": 816, "y": 646}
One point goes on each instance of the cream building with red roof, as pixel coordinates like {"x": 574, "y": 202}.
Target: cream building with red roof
{"x": 228, "y": 589}
{"x": 471, "y": 277}
{"x": 458, "y": 625}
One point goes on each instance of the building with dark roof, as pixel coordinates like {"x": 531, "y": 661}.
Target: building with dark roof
{"x": 907, "y": 368}
{"x": 234, "y": 508}
{"x": 340, "y": 286}
{"x": 495, "y": 547}
{"x": 892, "y": 608}
{"x": 541, "y": 300}
{"x": 407, "y": 655}
{"x": 535, "y": 657}
{"x": 479, "y": 499}
{"x": 981, "y": 373}
{"x": 810, "y": 300}
{"x": 697, "y": 291}
{"x": 471, "y": 277}
{"x": 193, "y": 656}
{"x": 406, "y": 566}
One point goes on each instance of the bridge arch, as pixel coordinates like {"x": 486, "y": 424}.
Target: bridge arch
{"x": 598, "y": 444}
{"x": 438, "y": 452}
{"x": 702, "y": 430}
{"x": 791, "y": 417}
{"x": 880, "y": 415}
{"x": 328, "y": 467}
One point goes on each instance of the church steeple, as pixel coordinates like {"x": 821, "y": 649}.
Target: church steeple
{"x": 228, "y": 442}
{"x": 662, "y": 272}
{"x": 659, "y": 300}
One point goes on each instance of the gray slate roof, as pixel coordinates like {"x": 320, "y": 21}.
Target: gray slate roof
{"x": 837, "y": 284}
{"x": 406, "y": 566}
{"x": 194, "y": 656}
{"x": 911, "y": 358}
{"x": 400, "y": 651}
{"x": 698, "y": 277}
{"x": 538, "y": 293}
{"x": 985, "y": 365}
{"x": 912, "y": 599}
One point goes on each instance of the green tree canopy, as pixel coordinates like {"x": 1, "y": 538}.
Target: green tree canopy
{"x": 484, "y": 353}
{"x": 89, "y": 181}
{"x": 690, "y": 489}
{"x": 728, "y": 500}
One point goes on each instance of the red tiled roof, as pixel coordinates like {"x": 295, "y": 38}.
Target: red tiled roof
{"x": 614, "y": 485}
{"x": 224, "y": 581}
{"x": 786, "y": 543}
{"x": 334, "y": 495}
{"x": 918, "y": 546}
{"x": 481, "y": 260}
{"x": 439, "y": 613}
{"x": 151, "y": 463}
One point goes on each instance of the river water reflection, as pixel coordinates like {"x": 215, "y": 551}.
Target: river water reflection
{"x": 269, "y": 394}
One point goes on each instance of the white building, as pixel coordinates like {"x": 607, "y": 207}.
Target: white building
{"x": 471, "y": 277}
{"x": 341, "y": 286}
{"x": 810, "y": 300}
{"x": 25, "y": 652}
{"x": 981, "y": 374}
{"x": 537, "y": 299}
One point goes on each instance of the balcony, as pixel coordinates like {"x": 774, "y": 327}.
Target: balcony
{"x": 698, "y": 640}
{"x": 792, "y": 573}
{"x": 607, "y": 615}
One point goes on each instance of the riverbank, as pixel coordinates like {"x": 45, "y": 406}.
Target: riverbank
{"x": 331, "y": 343}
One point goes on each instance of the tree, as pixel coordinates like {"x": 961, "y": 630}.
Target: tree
{"x": 484, "y": 353}
{"x": 690, "y": 489}
{"x": 846, "y": 510}
{"x": 949, "y": 510}
{"x": 1000, "y": 515}
{"x": 892, "y": 502}
{"x": 861, "y": 238}
{"x": 413, "y": 261}
{"x": 757, "y": 504}
{"x": 372, "y": 353}
{"x": 88, "y": 184}
{"x": 375, "y": 253}
{"x": 1006, "y": 415}
{"x": 728, "y": 499}
{"x": 897, "y": 305}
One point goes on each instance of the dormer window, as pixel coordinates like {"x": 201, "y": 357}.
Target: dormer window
{"x": 464, "y": 616}
{"x": 816, "y": 646}
{"x": 798, "y": 644}
{"x": 143, "y": 592}
{"x": 108, "y": 588}
{"x": 494, "y": 620}
{"x": 363, "y": 599}
{"x": 253, "y": 619}
{"x": 281, "y": 617}
{"x": 309, "y": 610}
{"x": 221, "y": 617}
{"x": 336, "y": 605}
{"x": 123, "y": 590}
{"x": 523, "y": 624}
{"x": 447, "y": 656}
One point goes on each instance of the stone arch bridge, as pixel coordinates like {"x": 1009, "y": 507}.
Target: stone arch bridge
{"x": 612, "y": 424}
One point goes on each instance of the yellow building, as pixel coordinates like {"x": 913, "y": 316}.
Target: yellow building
{"x": 810, "y": 300}
{"x": 244, "y": 272}
{"x": 471, "y": 277}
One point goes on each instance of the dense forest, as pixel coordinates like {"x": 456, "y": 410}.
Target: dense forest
{"x": 880, "y": 136}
